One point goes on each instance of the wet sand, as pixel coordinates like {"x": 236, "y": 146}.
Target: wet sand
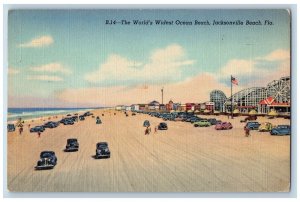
{"x": 181, "y": 159}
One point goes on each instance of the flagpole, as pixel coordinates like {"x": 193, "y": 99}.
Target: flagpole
{"x": 231, "y": 97}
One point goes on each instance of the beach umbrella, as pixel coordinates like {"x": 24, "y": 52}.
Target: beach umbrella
{"x": 236, "y": 111}
{"x": 273, "y": 113}
{"x": 252, "y": 112}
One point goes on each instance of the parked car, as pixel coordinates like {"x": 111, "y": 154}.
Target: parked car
{"x": 50, "y": 124}
{"x": 47, "y": 160}
{"x": 281, "y": 130}
{"x": 202, "y": 123}
{"x": 162, "y": 126}
{"x": 102, "y": 150}
{"x": 133, "y": 114}
{"x": 249, "y": 118}
{"x": 212, "y": 121}
{"x": 81, "y": 118}
{"x": 37, "y": 129}
{"x": 68, "y": 122}
{"x": 72, "y": 145}
{"x": 11, "y": 128}
{"x": 223, "y": 126}
{"x": 265, "y": 127}
{"x": 146, "y": 123}
{"x": 252, "y": 125}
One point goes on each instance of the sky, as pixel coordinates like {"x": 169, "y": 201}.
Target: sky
{"x": 72, "y": 58}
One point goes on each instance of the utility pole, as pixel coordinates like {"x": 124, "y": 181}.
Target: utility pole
{"x": 162, "y": 95}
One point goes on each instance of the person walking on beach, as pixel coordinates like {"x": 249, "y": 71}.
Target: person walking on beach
{"x": 155, "y": 129}
{"x": 39, "y": 134}
{"x": 247, "y": 132}
{"x": 20, "y": 130}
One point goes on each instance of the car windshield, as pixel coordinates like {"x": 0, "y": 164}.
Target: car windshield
{"x": 72, "y": 141}
{"x": 46, "y": 154}
{"x": 283, "y": 126}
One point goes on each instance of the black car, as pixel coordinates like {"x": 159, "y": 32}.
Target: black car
{"x": 98, "y": 120}
{"x": 68, "y": 122}
{"x": 47, "y": 160}
{"x": 252, "y": 125}
{"x": 11, "y": 127}
{"x": 72, "y": 145}
{"x": 146, "y": 123}
{"x": 81, "y": 118}
{"x": 37, "y": 129}
{"x": 50, "y": 124}
{"x": 102, "y": 150}
{"x": 163, "y": 126}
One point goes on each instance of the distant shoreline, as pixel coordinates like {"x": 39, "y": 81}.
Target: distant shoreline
{"x": 37, "y": 113}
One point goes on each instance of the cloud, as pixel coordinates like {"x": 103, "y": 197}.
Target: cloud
{"x": 259, "y": 71}
{"x": 13, "y": 71}
{"x": 38, "y": 42}
{"x": 188, "y": 90}
{"x": 52, "y": 67}
{"x": 276, "y": 55}
{"x": 164, "y": 65}
{"x": 45, "y": 78}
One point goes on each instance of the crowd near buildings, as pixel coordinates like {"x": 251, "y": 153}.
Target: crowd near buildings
{"x": 275, "y": 96}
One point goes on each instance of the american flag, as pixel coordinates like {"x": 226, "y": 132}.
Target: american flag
{"x": 234, "y": 80}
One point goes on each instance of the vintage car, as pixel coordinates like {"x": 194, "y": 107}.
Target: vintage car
{"x": 281, "y": 130}
{"x": 37, "y": 129}
{"x": 98, "y": 120}
{"x": 50, "y": 124}
{"x": 47, "y": 160}
{"x": 253, "y": 125}
{"x": 249, "y": 118}
{"x": 223, "y": 126}
{"x": 212, "y": 121}
{"x": 11, "y": 128}
{"x": 146, "y": 123}
{"x": 72, "y": 145}
{"x": 202, "y": 123}
{"x": 81, "y": 118}
{"x": 265, "y": 127}
{"x": 162, "y": 126}
{"x": 68, "y": 122}
{"x": 102, "y": 150}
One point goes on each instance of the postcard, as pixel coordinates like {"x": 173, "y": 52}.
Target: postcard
{"x": 149, "y": 100}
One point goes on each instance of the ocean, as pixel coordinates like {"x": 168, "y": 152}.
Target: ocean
{"x": 30, "y": 113}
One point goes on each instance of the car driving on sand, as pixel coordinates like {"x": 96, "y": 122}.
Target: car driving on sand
{"x": 47, "y": 160}
{"x": 162, "y": 126}
{"x": 72, "y": 145}
{"x": 102, "y": 150}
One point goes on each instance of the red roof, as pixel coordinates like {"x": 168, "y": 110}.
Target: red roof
{"x": 271, "y": 101}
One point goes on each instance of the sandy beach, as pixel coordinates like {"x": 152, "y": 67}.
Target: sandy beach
{"x": 180, "y": 159}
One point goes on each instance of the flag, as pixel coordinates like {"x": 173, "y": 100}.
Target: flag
{"x": 234, "y": 80}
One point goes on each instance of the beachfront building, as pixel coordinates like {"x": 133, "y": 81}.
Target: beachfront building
{"x": 189, "y": 106}
{"x": 170, "y": 106}
{"x": 119, "y": 107}
{"x": 275, "y": 96}
{"x": 162, "y": 107}
{"x": 135, "y": 107}
{"x": 218, "y": 98}
{"x": 154, "y": 105}
{"x": 210, "y": 106}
